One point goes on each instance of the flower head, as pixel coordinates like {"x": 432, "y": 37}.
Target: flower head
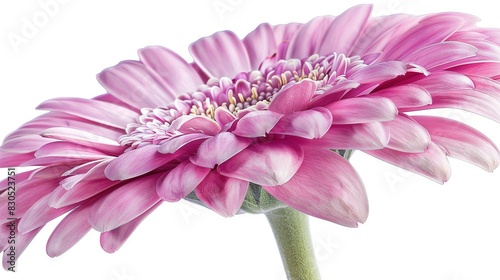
{"x": 279, "y": 109}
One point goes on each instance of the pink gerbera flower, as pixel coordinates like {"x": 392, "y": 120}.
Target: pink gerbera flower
{"x": 278, "y": 112}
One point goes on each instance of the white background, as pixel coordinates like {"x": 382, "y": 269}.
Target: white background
{"x": 417, "y": 229}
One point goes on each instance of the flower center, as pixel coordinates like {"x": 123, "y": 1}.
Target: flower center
{"x": 243, "y": 91}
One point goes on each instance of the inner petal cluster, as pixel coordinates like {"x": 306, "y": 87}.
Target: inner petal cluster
{"x": 246, "y": 90}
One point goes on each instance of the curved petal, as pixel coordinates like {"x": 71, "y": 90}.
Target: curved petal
{"x": 125, "y": 166}
{"x": 112, "y": 240}
{"x": 11, "y": 159}
{"x": 260, "y": 44}
{"x": 175, "y": 74}
{"x": 222, "y": 194}
{"x": 341, "y": 40}
{"x": 68, "y": 232}
{"x": 124, "y": 204}
{"x": 173, "y": 144}
{"x": 219, "y": 148}
{"x": 326, "y": 186}
{"x": 379, "y": 72}
{"x": 432, "y": 163}
{"x": 221, "y": 55}
{"x": 293, "y": 97}
{"x": 69, "y": 150}
{"x": 130, "y": 82}
{"x": 407, "y": 135}
{"x": 433, "y": 56}
{"x": 57, "y": 119}
{"x": 364, "y": 136}
{"x": 84, "y": 138}
{"x": 268, "y": 164}
{"x": 39, "y": 214}
{"x": 310, "y": 124}
{"x": 405, "y": 96}
{"x": 362, "y": 110}
{"x": 257, "y": 123}
{"x": 307, "y": 39}
{"x": 430, "y": 30}
{"x": 195, "y": 124}
{"x": 25, "y": 144}
{"x": 462, "y": 141}
{"x": 62, "y": 197}
{"x": 180, "y": 181}
{"x": 92, "y": 110}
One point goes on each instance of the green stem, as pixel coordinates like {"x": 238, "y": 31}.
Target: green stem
{"x": 291, "y": 231}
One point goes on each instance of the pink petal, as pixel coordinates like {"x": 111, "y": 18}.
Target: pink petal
{"x": 327, "y": 187}
{"x": 68, "y": 232}
{"x": 487, "y": 86}
{"x": 62, "y": 197}
{"x": 130, "y": 82}
{"x": 11, "y": 159}
{"x": 125, "y": 166}
{"x": 270, "y": 163}
{"x": 257, "y": 123}
{"x": 379, "y": 72}
{"x": 222, "y": 194}
{"x": 434, "y": 56}
{"x": 382, "y": 30}
{"x": 47, "y": 161}
{"x": 364, "y": 136}
{"x": 39, "y": 214}
{"x": 432, "y": 163}
{"x": 113, "y": 240}
{"x": 124, "y": 203}
{"x": 362, "y": 109}
{"x": 173, "y": 144}
{"x": 175, "y": 74}
{"x": 56, "y": 119}
{"x": 454, "y": 90}
{"x": 25, "y": 144}
{"x": 406, "y": 96}
{"x": 462, "y": 141}
{"x": 221, "y": 55}
{"x": 285, "y": 32}
{"x": 430, "y": 30}
{"x": 260, "y": 44}
{"x": 92, "y": 110}
{"x": 195, "y": 124}
{"x": 180, "y": 181}
{"x": 309, "y": 37}
{"x": 223, "y": 116}
{"x": 310, "y": 124}
{"x": 337, "y": 39}
{"x": 50, "y": 172}
{"x": 69, "y": 150}
{"x": 407, "y": 135}
{"x": 293, "y": 97}
{"x": 218, "y": 149}
{"x": 84, "y": 138}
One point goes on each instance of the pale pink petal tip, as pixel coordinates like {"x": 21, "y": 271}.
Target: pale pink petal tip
{"x": 222, "y": 194}
{"x": 268, "y": 164}
{"x": 326, "y": 186}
